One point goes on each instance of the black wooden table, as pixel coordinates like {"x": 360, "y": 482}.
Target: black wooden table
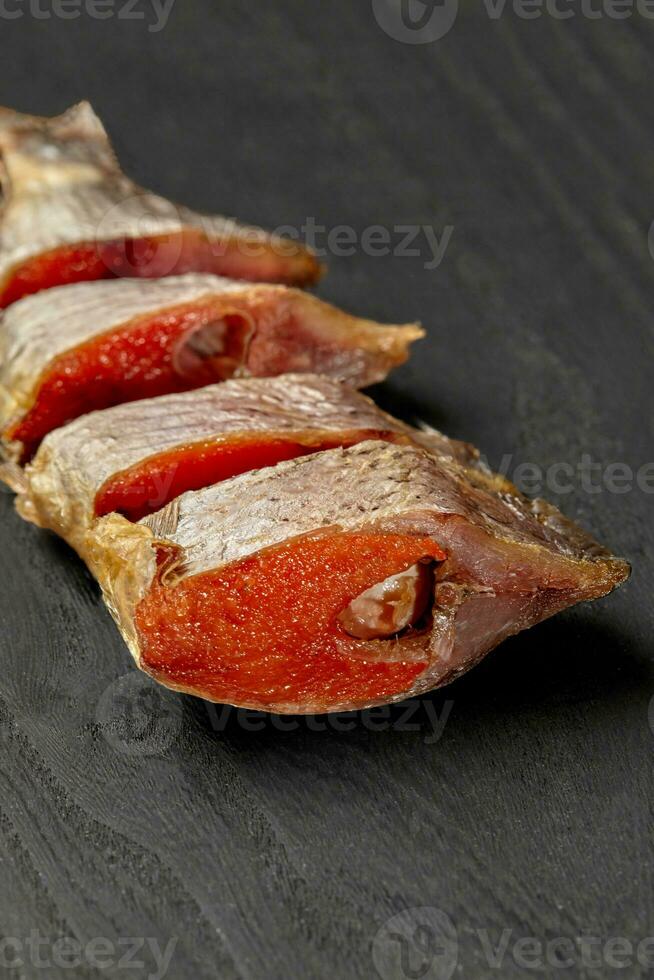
{"x": 501, "y": 827}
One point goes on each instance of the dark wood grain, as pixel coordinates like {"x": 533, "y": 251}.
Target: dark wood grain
{"x": 126, "y": 811}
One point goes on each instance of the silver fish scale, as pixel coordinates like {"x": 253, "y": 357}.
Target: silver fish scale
{"x": 377, "y": 483}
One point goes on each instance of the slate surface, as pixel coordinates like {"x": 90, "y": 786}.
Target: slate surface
{"x": 126, "y": 812}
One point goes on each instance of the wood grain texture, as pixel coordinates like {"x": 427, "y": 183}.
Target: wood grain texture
{"x": 130, "y": 812}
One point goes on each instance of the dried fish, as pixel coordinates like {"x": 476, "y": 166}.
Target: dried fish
{"x": 79, "y": 348}
{"x": 244, "y": 592}
{"x": 69, "y": 214}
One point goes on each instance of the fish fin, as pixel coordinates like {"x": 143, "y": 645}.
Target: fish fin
{"x": 164, "y": 522}
{"x": 78, "y": 121}
{"x": 12, "y": 474}
{"x": 77, "y": 135}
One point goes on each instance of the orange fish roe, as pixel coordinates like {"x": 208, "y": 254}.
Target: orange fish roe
{"x": 264, "y": 631}
{"x": 136, "y": 361}
{"x": 149, "y": 485}
{"x": 154, "y": 257}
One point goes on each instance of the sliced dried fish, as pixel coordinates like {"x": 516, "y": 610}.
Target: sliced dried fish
{"x": 69, "y": 214}
{"x": 75, "y": 349}
{"x": 236, "y": 593}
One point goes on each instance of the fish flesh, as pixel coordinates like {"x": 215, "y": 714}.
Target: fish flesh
{"x": 75, "y": 349}
{"x": 135, "y": 458}
{"x": 345, "y": 579}
{"x": 69, "y": 214}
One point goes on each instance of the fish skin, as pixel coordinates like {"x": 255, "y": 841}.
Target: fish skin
{"x": 59, "y": 486}
{"x": 62, "y": 185}
{"x": 39, "y": 328}
{"x": 511, "y": 562}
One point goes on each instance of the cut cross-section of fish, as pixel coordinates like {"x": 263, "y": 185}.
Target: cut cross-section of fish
{"x": 89, "y": 346}
{"x": 301, "y": 588}
{"x": 68, "y": 214}
{"x": 137, "y": 457}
